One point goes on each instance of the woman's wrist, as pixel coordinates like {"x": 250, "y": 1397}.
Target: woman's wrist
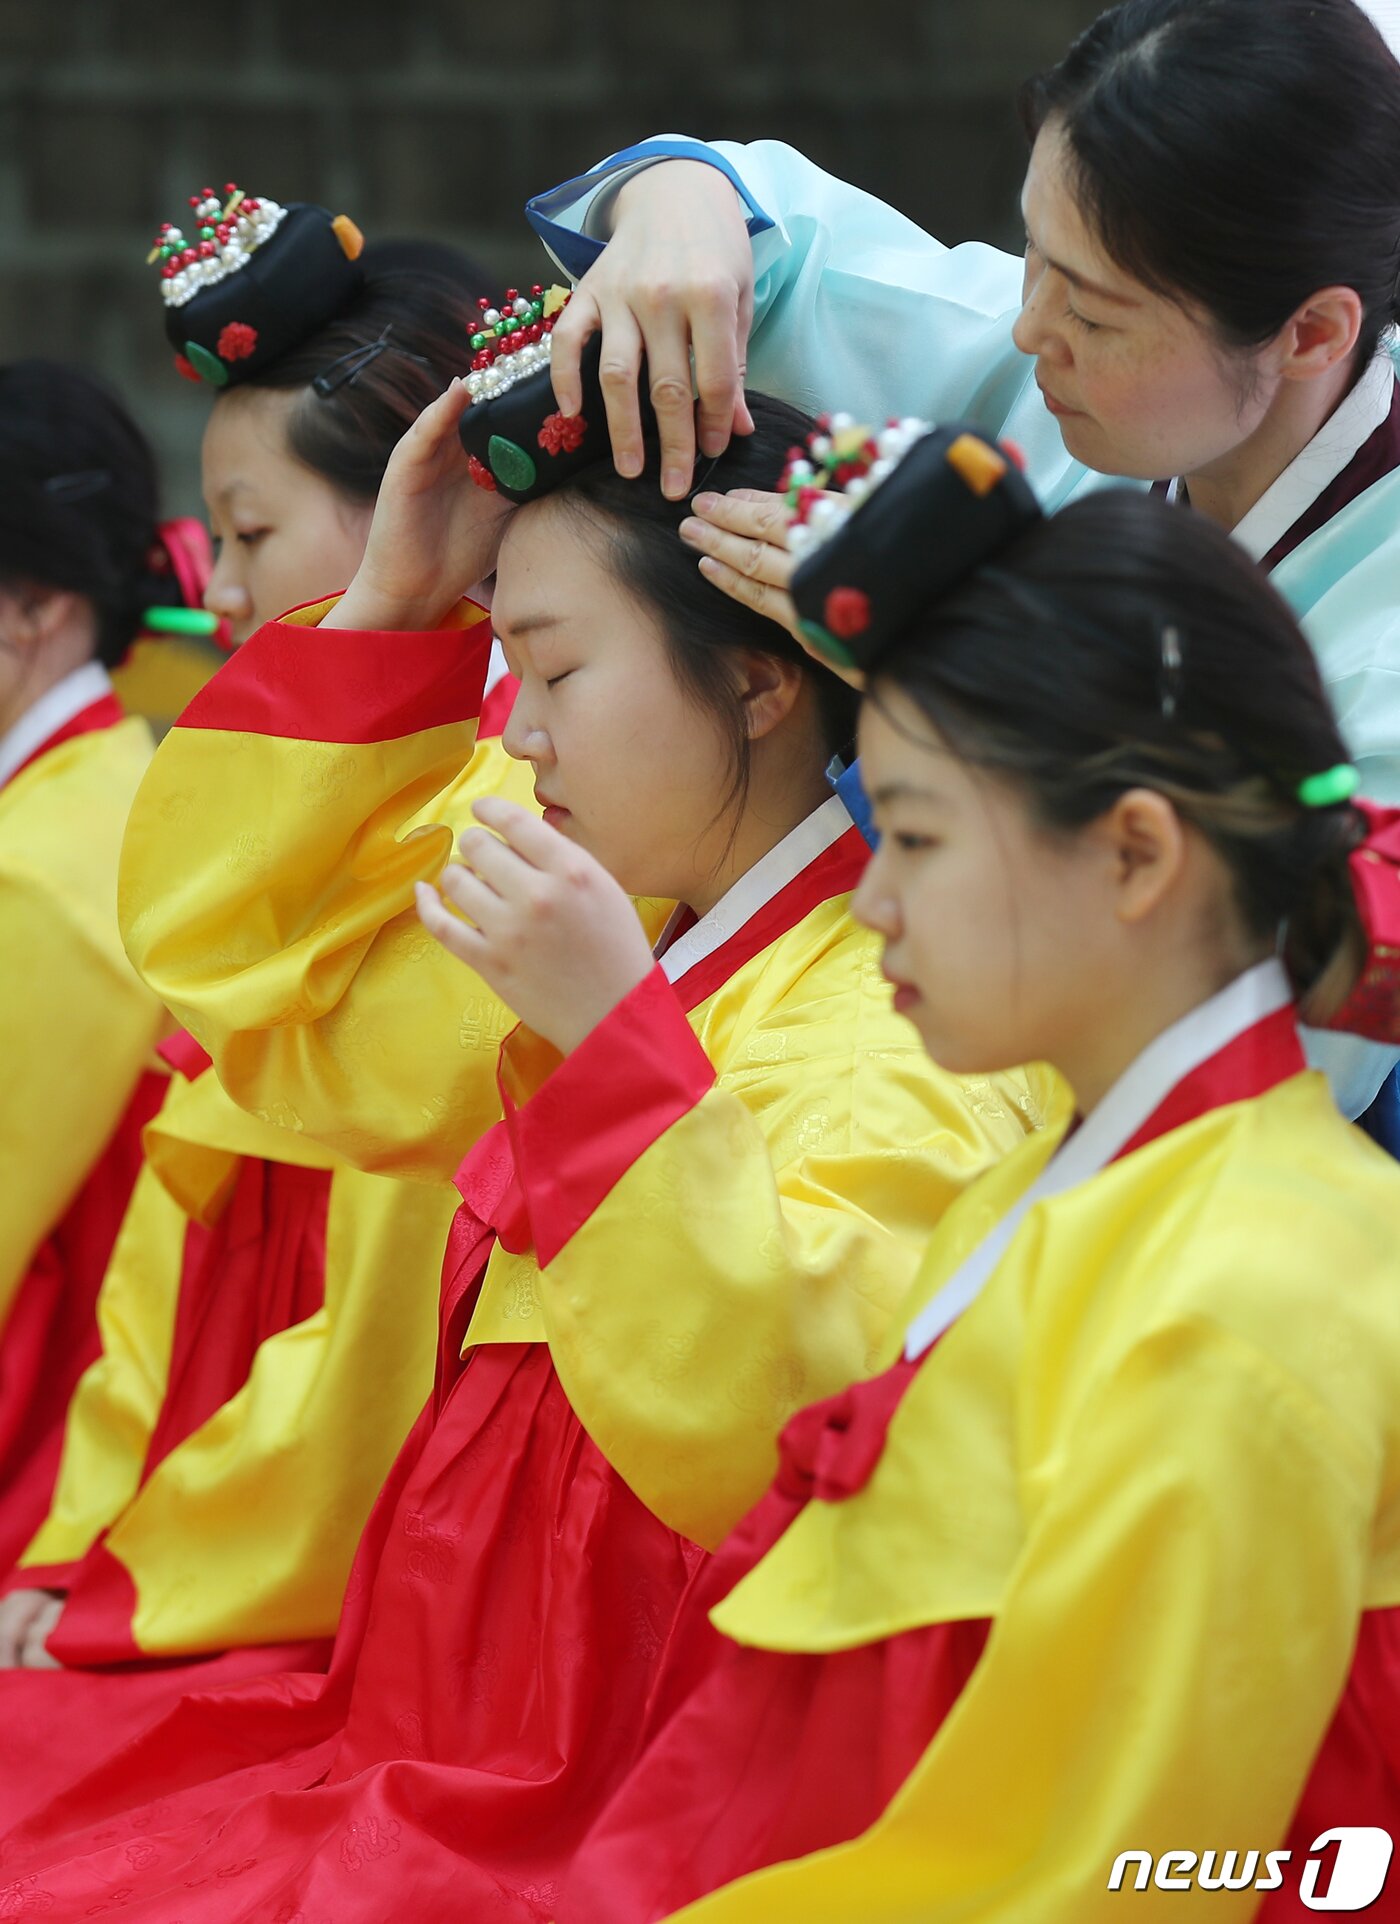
{"x": 369, "y": 609}
{"x": 664, "y": 180}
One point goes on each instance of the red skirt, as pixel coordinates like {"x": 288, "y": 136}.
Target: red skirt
{"x": 509, "y": 1607}
{"x": 50, "y": 1335}
{"x": 259, "y": 1271}
{"x": 757, "y": 1757}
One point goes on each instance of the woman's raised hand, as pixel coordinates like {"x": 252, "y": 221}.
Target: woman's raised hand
{"x": 435, "y": 532}
{"x": 742, "y": 541}
{"x": 549, "y": 929}
{"x": 675, "y": 279}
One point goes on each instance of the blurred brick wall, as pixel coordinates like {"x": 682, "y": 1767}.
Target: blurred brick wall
{"x": 436, "y": 117}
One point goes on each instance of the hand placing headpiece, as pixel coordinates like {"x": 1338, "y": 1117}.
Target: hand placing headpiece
{"x": 518, "y": 441}
{"x": 251, "y": 279}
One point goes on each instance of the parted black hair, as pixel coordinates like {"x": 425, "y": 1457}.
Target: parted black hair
{"x": 1242, "y": 154}
{"x": 1121, "y": 644}
{"x": 703, "y": 627}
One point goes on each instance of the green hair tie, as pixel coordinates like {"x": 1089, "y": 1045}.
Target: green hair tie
{"x": 179, "y": 621}
{"x": 1329, "y": 787}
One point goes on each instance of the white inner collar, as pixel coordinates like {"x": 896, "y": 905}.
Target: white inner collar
{"x": 53, "y": 710}
{"x": 1332, "y": 450}
{"x": 1137, "y": 1094}
{"x": 783, "y": 863}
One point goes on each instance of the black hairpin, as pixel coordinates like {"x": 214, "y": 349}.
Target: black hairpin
{"x": 79, "y": 485}
{"x": 342, "y": 373}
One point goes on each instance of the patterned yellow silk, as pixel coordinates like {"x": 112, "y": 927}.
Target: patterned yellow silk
{"x": 1134, "y": 1456}
{"x": 763, "y": 1241}
{"x": 76, "y": 1024}
{"x": 267, "y": 897}
{"x": 244, "y": 1532}
{"x": 791, "y": 1204}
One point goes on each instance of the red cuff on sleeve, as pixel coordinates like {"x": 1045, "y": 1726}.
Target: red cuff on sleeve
{"x": 640, "y": 1070}
{"x": 347, "y": 684}
{"x": 40, "y": 1576}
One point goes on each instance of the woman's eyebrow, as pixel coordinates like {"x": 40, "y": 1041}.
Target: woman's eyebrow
{"x": 527, "y": 625}
{"x": 1077, "y": 280}
{"x": 905, "y": 792}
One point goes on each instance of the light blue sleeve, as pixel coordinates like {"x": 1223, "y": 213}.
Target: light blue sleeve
{"x": 855, "y": 307}
{"x": 1356, "y": 1069}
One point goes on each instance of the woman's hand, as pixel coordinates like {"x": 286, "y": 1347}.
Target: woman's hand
{"x": 549, "y": 930}
{"x": 742, "y": 540}
{"x": 435, "y": 532}
{"x": 675, "y": 279}
{"x": 26, "y": 1619}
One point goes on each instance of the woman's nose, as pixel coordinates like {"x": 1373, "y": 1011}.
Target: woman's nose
{"x": 874, "y": 903}
{"x": 522, "y": 738}
{"x": 1033, "y": 332}
{"x": 227, "y": 597}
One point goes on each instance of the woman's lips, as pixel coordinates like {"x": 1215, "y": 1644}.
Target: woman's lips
{"x": 905, "y": 994}
{"x": 554, "y": 814}
{"x": 1054, "y": 406}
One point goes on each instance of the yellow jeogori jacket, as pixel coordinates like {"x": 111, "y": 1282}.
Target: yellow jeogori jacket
{"x": 267, "y": 891}
{"x": 77, "y": 1025}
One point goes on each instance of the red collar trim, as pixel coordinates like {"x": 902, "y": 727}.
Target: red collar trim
{"x": 1250, "y": 1065}
{"x": 105, "y": 712}
{"x": 836, "y": 871}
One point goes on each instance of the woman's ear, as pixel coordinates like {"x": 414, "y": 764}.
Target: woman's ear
{"x": 1145, "y": 845}
{"x": 31, "y": 612}
{"x": 769, "y": 687}
{"x": 1321, "y": 333}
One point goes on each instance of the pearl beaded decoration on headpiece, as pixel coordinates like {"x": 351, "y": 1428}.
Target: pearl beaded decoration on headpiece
{"x": 841, "y": 465}
{"x": 226, "y": 233}
{"x": 512, "y": 340}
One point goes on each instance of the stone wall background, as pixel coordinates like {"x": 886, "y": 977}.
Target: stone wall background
{"x": 438, "y": 118}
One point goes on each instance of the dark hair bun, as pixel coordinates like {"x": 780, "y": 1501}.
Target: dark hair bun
{"x": 257, "y": 279}
{"x": 922, "y": 508}
{"x": 519, "y": 442}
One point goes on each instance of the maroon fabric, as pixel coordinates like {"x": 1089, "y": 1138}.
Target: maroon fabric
{"x": 1377, "y": 457}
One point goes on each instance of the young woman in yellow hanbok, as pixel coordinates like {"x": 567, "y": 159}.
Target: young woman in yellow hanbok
{"x": 254, "y": 1378}
{"x": 83, "y": 563}
{"x": 1096, "y": 1587}
{"x": 715, "y": 1155}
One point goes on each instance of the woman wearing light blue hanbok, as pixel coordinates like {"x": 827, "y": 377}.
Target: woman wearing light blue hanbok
{"x": 1207, "y": 303}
